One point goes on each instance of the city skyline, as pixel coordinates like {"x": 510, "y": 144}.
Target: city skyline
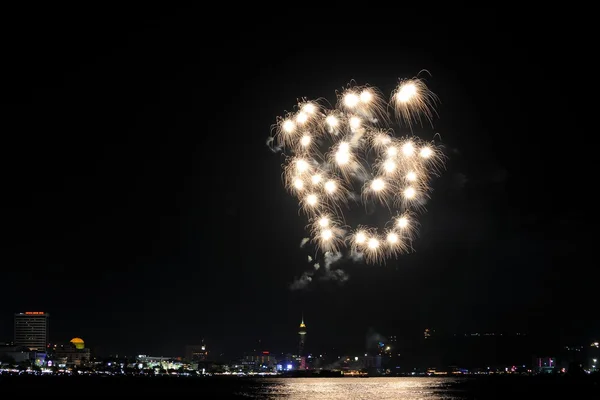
{"x": 541, "y": 342}
{"x": 143, "y": 209}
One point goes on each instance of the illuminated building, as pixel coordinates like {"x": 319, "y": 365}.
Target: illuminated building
{"x": 544, "y": 364}
{"x": 196, "y": 353}
{"x": 261, "y": 361}
{"x": 78, "y": 343}
{"x": 166, "y": 363}
{"x": 72, "y": 354}
{"x": 21, "y": 354}
{"x": 31, "y": 330}
{"x": 302, "y": 333}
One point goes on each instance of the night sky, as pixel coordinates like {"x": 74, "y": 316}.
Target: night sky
{"x": 143, "y": 210}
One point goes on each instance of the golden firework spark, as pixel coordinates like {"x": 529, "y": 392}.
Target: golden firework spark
{"x": 350, "y": 154}
{"x": 327, "y": 232}
{"x": 413, "y": 101}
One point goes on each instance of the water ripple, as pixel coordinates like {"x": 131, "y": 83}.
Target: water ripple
{"x": 355, "y": 389}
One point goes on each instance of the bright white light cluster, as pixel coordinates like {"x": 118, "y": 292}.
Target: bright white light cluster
{"x": 349, "y": 155}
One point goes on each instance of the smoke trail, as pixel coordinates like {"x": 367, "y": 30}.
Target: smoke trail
{"x": 356, "y": 256}
{"x": 272, "y": 146}
{"x": 301, "y": 282}
{"x": 331, "y": 258}
{"x": 373, "y": 338}
{"x": 303, "y": 242}
{"x": 329, "y": 274}
{"x": 337, "y": 275}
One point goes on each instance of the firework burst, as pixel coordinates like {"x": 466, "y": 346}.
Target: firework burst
{"x": 350, "y": 155}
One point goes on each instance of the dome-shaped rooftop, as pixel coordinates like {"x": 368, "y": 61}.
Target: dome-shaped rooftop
{"x": 78, "y": 342}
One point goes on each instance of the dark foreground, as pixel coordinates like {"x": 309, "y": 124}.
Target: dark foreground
{"x": 480, "y": 388}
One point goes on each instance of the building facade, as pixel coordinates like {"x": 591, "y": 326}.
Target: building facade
{"x": 302, "y": 339}
{"x": 31, "y": 330}
{"x": 196, "y": 353}
{"x": 72, "y": 354}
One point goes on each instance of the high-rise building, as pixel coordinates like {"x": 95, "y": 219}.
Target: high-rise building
{"x": 196, "y": 353}
{"x": 31, "y": 330}
{"x": 302, "y": 333}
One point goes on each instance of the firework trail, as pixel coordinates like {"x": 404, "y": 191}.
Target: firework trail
{"x": 348, "y": 157}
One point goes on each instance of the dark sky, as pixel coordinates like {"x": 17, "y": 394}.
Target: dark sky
{"x": 142, "y": 209}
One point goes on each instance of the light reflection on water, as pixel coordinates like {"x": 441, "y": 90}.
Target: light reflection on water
{"x": 355, "y": 389}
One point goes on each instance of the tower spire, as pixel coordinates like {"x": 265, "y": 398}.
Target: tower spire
{"x": 302, "y": 334}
